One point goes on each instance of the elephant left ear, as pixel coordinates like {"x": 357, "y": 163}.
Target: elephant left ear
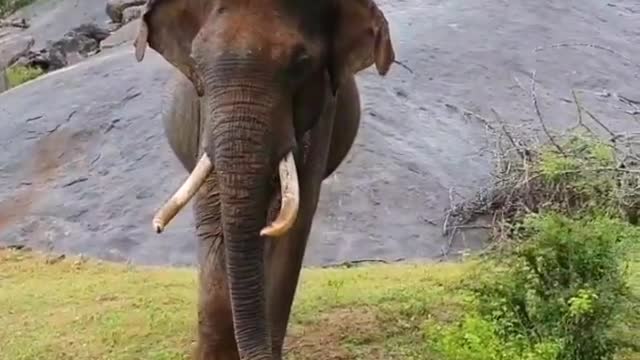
{"x": 169, "y": 27}
{"x": 361, "y": 39}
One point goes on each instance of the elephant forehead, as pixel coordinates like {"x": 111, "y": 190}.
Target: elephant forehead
{"x": 258, "y": 28}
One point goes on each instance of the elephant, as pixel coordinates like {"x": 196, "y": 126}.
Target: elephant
{"x": 263, "y": 108}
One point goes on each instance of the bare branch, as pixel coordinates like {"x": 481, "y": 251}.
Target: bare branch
{"x": 403, "y": 65}
{"x": 537, "y": 108}
{"x": 602, "y": 125}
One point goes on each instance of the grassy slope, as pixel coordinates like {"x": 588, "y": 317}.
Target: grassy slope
{"x": 73, "y": 309}
{"x": 18, "y": 74}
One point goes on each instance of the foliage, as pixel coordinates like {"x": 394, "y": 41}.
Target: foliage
{"x": 587, "y": 178}
{"x": 8, "y": 7}
{"x": 559, "y": 295}
{"x": 583, "y": 176}
{"x": 476, "y": 338}
{"x": 558, "y": 290}
{"x": 565, "y": 283}
{"x": 19, "y": 74}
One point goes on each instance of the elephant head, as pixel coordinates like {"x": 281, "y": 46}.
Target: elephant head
{"x": 253, "y": 62}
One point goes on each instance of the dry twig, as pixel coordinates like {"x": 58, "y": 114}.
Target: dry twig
{"x": 537, "y": 108}
{"x": 521, "y": 186}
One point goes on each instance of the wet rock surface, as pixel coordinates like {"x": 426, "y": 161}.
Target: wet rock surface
{"x": 419, "y": 142}
{"x": 124, "y": 35}
{"x": 123, "y": 11}
{"x": 12, "y": 48}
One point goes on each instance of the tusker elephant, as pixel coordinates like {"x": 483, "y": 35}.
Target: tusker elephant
{"x": 264, "y": 107}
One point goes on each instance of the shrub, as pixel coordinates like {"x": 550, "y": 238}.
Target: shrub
{"x": 476, "y": 338}
{"x": 565, "y": 216}
{"x": 19, "y": 74}
{"x": 565, "y": 283}
{"x": 583, "y": 176}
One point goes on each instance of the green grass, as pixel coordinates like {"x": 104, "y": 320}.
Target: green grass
{"x": 72, "y": 309}
{"x": 19, "y": 74}
{"x": 97, "y": 310}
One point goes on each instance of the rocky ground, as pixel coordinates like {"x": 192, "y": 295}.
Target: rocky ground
{"x": 420, "y": 142}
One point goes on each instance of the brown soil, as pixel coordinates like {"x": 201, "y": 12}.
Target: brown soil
{"x": 328, "y": 337}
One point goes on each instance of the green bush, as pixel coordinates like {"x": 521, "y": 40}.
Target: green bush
{"x": 566, "y": 282}
{"x": 585, "y": 179}
{"x": 476, "y": 338}
{"x": 20, "y": 74}
{"x": 558, "y": 297}
{"x": 558, "y": 289}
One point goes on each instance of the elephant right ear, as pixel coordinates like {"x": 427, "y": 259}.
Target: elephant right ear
{"x": 169, "y": 27}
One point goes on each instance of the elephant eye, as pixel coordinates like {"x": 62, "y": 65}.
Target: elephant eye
{"x": 300, "y": 63}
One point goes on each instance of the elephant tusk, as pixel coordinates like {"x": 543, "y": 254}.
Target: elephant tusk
{"x": 182, "y": 196}
{"x": 290, "y": 199}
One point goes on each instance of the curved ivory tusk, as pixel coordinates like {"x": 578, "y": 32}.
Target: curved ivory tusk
{"x": 290, "y": 198}
{"x": 182, "y": 196}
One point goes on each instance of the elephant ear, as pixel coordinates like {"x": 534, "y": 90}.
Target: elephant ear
{"x": 169, "y": 27}
{"x": 360, "y": 39}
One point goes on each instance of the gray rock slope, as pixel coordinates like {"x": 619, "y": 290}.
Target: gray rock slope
{"x": 51, "y": 19}
{"x": 388, "y": 199}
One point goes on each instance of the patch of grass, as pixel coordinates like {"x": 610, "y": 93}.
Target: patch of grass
{"x": 79, "y": 310}
{"x": 19, "y": 74}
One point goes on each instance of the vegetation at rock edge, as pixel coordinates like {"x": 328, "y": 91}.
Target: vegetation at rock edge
{"x": 19, "y": 74}
{"x": 8, "y": 7}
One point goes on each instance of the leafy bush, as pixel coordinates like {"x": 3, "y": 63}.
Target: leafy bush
{"x": 565, "y": 215}
{"x": 558, "y": 296}
{"x": 565, "y": 283}
{"x": 586, "y": 178}
{"x": 581, "y": 175}
{"x": 476, "y": 338}
{"x": 20, "y": 74}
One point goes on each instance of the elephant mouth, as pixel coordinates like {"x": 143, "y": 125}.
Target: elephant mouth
{"x": 289, "y": 189}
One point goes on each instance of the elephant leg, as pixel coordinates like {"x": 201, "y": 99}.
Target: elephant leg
{"x": 216, "y": 339}
{"x": 285, "y": 254}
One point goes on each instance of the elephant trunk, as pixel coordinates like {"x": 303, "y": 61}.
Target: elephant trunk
{"x": 243, "y": 177}
{"x": 240, "y": 151}
{"x": 244, "y": 150}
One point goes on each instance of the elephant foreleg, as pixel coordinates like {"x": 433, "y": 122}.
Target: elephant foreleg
{"x": 216, "y": 339}
{"x": 285, "y": 254}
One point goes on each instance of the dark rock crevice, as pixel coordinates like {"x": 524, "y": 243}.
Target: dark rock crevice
{"x": 76, "y": 45}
